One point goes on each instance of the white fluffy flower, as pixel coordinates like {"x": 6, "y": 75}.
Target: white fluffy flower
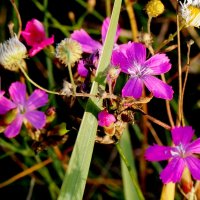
{"x": 12, "y": 53}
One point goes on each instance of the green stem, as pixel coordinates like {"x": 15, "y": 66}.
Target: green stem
{"x": 35, "y": 84}
{"x": 170, "y": 38}
{"x": 131, "y": 172}
{"x": 71, "y": 78}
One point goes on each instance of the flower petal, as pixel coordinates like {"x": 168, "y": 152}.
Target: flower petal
{"x": 119, "y": 59}
{"x": 158, "y": 87}
{"x": 136, "y": 53}
{"x": 17, "y": 92}
{"x": 133, "y": 88}
{"x": 182, "y": 134}
{"x": 104, "y": 30}
{"x": 87, "y": 43}
{"x": 193, "y": 165}
{"x": 82, "y": 71}
{"x": 38, "y": 47}
{"x": 14, "y": 128}
{"x": 36, "y": 118}
{"x": 159, "y": 64}
{"x": 173, "y": 171}
{"x": 5, "y": 104}
{"x": 158, "y": 153}
{"x": 193, "y": 147}
{"x": 37, "y": 99}
{"x": 34, "y": 32}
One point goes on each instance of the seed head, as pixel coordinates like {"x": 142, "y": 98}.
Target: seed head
{"x": 12, "y": 53}
{"x": 68, "y": 51}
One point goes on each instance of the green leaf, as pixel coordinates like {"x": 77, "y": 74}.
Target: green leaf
{"x": 76, "y": 175}
{"x": 130, "y": 192}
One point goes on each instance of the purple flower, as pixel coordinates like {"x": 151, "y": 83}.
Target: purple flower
{"x": 105, "y": 119}
{"x": 90, "y": 45}
{"x": 132, "y": 61}
{"x": 35, "y": 36}
{"x": 181, "y": 155}
{"x": 25, "y": 107}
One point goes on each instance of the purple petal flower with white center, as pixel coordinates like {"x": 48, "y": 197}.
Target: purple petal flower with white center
{"x": 105, "y": 119}
{"x": 181, "y": 155}
{"x": 90, "y": 45}
{"x": 26, "y": 108}
{"x": 132, "y": 61}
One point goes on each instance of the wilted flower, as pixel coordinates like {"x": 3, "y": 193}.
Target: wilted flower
{"x": 132, "y": 61}
{"x": 105, "y": 118}
{"x": 12, "y": 53}
{"x": 68, "y": 51}
{"x": 35, "y": 36}
{"x": 154, "y": 8}
{"x": 190, "y": 12}
{"x": 180, "y": 156}
{"x": 25, "y": 108}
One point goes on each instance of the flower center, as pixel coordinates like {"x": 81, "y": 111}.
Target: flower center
{"x": 21, "y": 109}
{"x": 179, "y": 150}
{"x": 137, "y": 70}
{"x": 194, "y": 18}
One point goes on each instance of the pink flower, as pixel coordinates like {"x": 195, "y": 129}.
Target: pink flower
{"x": 180, "y": 156}
{"x": 26, "y": 108}
{"x": 90, "y": 45}
{"x": 131, "y": 58}
{"x": 34, "y": 35}
{"x": 105, "y": 119}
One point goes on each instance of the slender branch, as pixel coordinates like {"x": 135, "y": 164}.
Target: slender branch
{"x": 18, "y": 17}
{"x": 132, "y": 20}
{"x": 169, "y": 113}
{"x": 160, "y": 123}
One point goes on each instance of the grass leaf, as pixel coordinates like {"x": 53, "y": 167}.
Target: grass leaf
{"x": 77, "y": 172}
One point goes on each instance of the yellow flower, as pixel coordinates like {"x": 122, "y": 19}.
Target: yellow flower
{"x": 154, "y": 8}
{"x": 190, "y": 12}
{"x": 68, "y": 51}
{"x": 12, "y": 53}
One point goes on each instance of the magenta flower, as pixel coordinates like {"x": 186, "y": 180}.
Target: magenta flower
{"x": 35, "y": 36}
{"x": 25, "y": 107}
{"x": 132, "y": 61}
{"x": 105, "y": 119}
{"x": 180, "y": 156}
{"x": 90, "y": 45}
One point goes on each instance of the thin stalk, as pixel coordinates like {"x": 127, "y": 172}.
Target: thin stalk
{"x": 170, "y": 38}
{"x": 156, "y": 121}
{"x": 18, "y": 17}
{"x": 149, "y": 25}
{"x": 131, "y": 172}
{"x": 131, "y": 14}
{"x": 186, "y": 76}
{"x": 108, "y": 7}
{"x": 71, "y": 78}
{"x": 167, "y": 102}
{"x": 180, "y": 97}
{"x": 35, "y": 84}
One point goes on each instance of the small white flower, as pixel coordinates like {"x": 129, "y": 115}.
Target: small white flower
{"x": 12, "y": 53}
{"x": 190, "y": 12}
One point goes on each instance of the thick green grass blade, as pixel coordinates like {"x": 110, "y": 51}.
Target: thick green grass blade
{"x": 75, "y": 179}
{"x": 130, "y": 192}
